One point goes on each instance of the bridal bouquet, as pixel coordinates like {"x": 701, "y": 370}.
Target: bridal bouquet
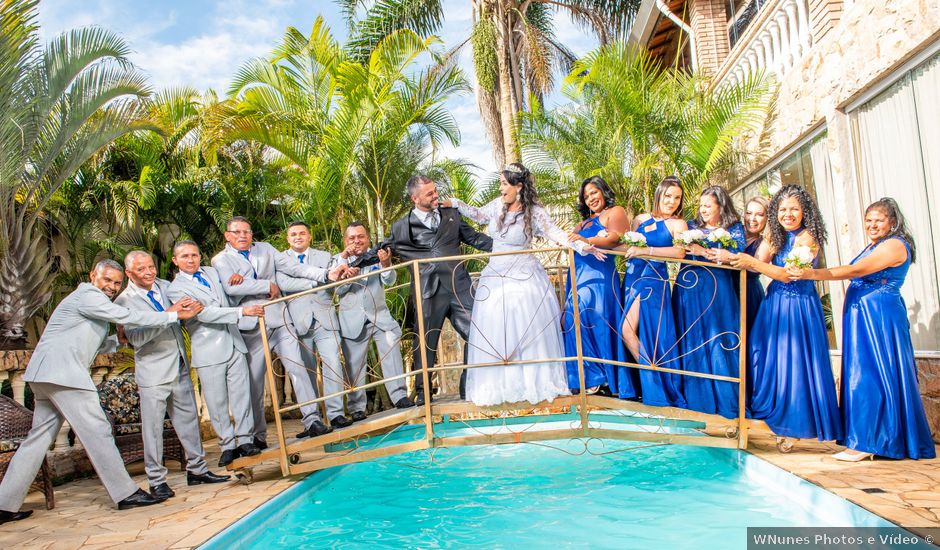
{"x": 723, "y": 238}
{"x": 799, "y": 256}
{"x": 692, "y": 236}
{"x": 632, "y": 238}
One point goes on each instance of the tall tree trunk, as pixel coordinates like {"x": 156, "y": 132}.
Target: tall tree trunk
{"x": 488, "y": 103}
{"x": 507, "y": 112}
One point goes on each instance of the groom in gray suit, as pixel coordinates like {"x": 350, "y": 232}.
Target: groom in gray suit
{"x": 58, "y": 376}
{"x": 218, "y": 352}
{"x": 161, "y": 369}
{"x": 313, "y": 314}
{"x": 364, "y": 317}
{"x": 247, "y": 270}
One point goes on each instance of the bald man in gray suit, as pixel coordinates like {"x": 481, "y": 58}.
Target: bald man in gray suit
{"x": 161, "y": 369}
{"x": 58, "y": 375}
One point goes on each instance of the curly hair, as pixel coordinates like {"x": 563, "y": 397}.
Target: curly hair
{"x": 726, "y": 210}
{"x": 518, "y": 175}
{"x": 596, "y": 181}
{"x": 812, "y": 218}
{"x": 664, "y": 185}
{"x": 889, "y": 207}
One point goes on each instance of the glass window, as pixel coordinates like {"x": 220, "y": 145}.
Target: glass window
{"x": 897, "y": 145}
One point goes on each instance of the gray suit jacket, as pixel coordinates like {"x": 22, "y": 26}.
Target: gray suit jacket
{"x": 256, "y": 287}
{"x": 364, "y": 300}
{"x": 74, "y": 333}
{"x": 294, "y": 277}
{"x": 157, "y": 350}
{"x": 213, "y": 334}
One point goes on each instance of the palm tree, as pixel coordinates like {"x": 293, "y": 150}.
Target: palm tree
{"x": 353, "y": 131}
{"x": 636, "y": 121}
{"x": 59, "y": 104}
{"x": 515, "y": 50}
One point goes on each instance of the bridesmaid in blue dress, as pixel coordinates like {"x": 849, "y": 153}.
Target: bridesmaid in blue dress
{"x": 755, "y": 220}
{"x": 648, "y": 326}
{"x": 794, "y": 390}
{"x": 708, "y": 311}
{"x": 599, "y": 308}
{"x": 882, "y": 412}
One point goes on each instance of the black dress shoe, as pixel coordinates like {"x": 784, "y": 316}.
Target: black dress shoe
{"x": 161, "y": 492}
{"x": 13, "y": 516}
{"x": 208, "y": 477}
{"x": 140, "y": 498}
{"x": 404, "y": 403}
{"x": 247, "y": 449}
{"x": 339, "y": 422}
{"x": 260, "y": 443}
{"x": 228, "y": 456}
{"x": 358, "y": 416}
{"x": 419, "y": 399}
{"x": 315, "y": 429}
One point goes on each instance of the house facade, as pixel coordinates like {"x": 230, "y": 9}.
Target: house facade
{"x": 857, "y": 118}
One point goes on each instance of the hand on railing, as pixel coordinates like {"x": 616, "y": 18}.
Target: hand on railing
{"x": 253, "y": 311}
{"x": 594, "y": 251}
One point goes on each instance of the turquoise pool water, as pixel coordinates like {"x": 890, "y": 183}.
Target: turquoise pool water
{"x": 557, "y": 495}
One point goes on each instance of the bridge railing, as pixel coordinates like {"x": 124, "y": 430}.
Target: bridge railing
{"x": 366, "y": 439}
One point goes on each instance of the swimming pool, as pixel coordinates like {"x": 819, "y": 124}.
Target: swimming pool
{"x": 572, "y": 493}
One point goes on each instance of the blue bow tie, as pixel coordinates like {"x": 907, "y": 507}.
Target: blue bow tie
{"x": 198, "y": 276}
{"x": 301, "y": 257}
{"x": 153, "y": 300}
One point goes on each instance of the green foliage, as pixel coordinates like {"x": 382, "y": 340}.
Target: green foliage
{"x": 59, "y": 104}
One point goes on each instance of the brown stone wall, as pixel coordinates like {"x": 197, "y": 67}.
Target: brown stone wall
{"x": 709, "y": 22}
{"x": 928, "y": 371}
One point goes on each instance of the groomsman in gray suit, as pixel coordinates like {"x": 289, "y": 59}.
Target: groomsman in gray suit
{"x": 247, "y": 270}
{"x": 364, "y": 316}
{"x": 58, "y": 376}
{"x": 218, "y": 351}
{"x": 161, "y": 369}
{"x": 313, "y": 315}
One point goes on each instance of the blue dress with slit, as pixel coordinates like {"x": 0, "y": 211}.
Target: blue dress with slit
{"x": 647, "y": 281}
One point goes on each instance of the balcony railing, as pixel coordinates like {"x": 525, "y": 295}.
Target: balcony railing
{"x": 772, "y": 40}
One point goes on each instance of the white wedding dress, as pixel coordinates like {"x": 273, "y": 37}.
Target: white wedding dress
{"x": 516, "y": 316}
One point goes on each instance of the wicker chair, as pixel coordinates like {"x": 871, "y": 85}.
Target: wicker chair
{"x": 121, "y": 403}
{"x": 15, "y": 422}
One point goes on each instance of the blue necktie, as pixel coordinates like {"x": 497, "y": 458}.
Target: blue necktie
{"x": 244, "y": 254}
{"x": 153, "y": 300}
{"x": 198, "y": 276}
{"x": 301, "y": 257}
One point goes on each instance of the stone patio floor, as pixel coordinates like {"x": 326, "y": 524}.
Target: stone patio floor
{"x": 84, "y": 516}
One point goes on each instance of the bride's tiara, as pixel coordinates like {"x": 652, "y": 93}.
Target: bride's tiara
{"x": 515, "y": 169}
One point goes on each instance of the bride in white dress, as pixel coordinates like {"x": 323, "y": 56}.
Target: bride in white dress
{"x": 515, "y": 311}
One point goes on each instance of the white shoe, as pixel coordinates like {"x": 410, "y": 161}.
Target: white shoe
{"x": 846, "y": 456}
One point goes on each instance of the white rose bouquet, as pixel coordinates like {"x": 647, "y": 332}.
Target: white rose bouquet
{"x": 632, "y": 238}
{"x": 692, "y": 236}
{"x": 799, "y": 256}
{"x": 723, "y": 238}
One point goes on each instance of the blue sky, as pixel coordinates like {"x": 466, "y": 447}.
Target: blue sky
{"x": 202, "y": 43}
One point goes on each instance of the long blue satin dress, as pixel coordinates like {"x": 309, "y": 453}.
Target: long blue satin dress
{"x": 648, "y": 281}
{"x": 708, "y": 317}
{"x": 755, "y": 290}
{"x": 882, "y": 412}
{"x": 794, "y": 390}
{"x": 600, "y": 311}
